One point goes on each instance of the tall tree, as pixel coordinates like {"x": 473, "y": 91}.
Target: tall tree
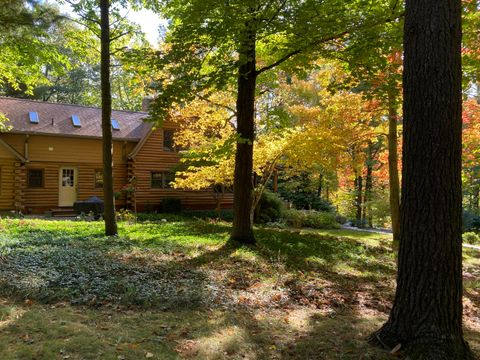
{"x": 426, "y": 318}
{"x": 214, "y": 44}
{"x": 393, "y": 178}
{"x": 108, "y": 195}
{"x": 25, "y": 44}
{"x": 101, "y": 26}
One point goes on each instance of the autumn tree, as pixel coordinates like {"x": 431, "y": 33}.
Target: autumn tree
{"x": 207, "y": 132}
{"x": 214, "y": 44}
{"x": 471, "y": 155}
{"x": 374, "y": 62}
{"x": 426, "y": 318}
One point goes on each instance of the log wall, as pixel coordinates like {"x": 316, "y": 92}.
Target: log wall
{"x": 152, "y": 157}
{"x": 51, "y": 153}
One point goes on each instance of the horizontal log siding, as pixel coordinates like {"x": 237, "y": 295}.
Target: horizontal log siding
{"x": 41, "y": 199}
{"x": 69, "y": 150}
{"x": 50, "y": 153}
{"x": 7, "y": 184}
{"x": 152, "y": 157}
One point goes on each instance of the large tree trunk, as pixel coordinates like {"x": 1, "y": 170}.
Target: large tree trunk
{"x": 394, "y": 182}
{"x": 243, "y": 183}
{"x": 108, "y": 196}
{"x": 426, "y": 318}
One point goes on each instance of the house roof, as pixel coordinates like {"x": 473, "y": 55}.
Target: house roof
{"x": 56, "y": 119}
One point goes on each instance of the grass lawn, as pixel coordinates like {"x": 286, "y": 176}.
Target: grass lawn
{"x": 177, "y": 289}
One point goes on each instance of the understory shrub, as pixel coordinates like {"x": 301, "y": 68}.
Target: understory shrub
{"x": 302, "y": 191}
{"x": 126, "y": 215}
{"x": 269, "y": 208}
{"x": 341, "y": 219}
{"x": 471, "y": 238}
{"x": 171, "y": 205}
{"x": 310, "y": 218}
{"x": 225, "y": 214}
{"x": 471, "y": 221}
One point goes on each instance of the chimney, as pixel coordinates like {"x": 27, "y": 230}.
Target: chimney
{"x": 146, "y": 102}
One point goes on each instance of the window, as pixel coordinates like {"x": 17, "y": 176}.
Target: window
{"x": 168, "y": 144}
{"x": 161, "y": 179}
{"x": 115, "y": 125}
{"x": 33, "y": 116}
{"x": 35, "y": 178}
{"x": 98, "y": 178}
{"x": 76, "y": 121}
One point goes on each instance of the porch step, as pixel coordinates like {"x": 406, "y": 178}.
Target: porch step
{"x": 63, "y": 212}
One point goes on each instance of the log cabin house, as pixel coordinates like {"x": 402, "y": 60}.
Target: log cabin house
{"x": 52, "y": 157}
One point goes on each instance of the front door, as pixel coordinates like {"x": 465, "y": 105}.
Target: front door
{"x": 68, "y": 186}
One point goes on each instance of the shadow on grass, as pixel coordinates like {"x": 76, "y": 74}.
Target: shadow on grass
{"x": 73, "y": 262}
{"x": 166, "y": 267}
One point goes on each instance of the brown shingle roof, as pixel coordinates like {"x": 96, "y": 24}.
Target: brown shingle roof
{"x": 56, "y": 119}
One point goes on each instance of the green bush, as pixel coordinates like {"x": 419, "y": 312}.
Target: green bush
{"x": 471, "y": 238}
{"x": 269, "y": 208}
{"x": 226, "y": 214}
{"x": 341, "y": 219}
{"x": 471, "y": 221}
{"x": 126, "y": 216}
{"x": 310, "y": 218}
{"x": 171, "y": 205}
{"x": 302, "y": 192}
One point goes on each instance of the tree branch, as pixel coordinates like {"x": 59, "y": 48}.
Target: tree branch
{"x": 217, "y": 104}
{"x": 321, "y": 41}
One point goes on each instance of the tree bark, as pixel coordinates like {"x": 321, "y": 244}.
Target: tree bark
{"x": 367, "y": 216}
{"x": 358, "y": 200}
{"x": 243, "y": 177}
{"x": 426, "y": 318}
{"x": 320, "y": 186}
{"x": 108, "y": 195}
{"x": 394, "y": 182}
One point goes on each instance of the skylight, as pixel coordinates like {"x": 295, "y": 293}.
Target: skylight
{"x": 115, "y": 125}
{"x": 34, "y": 119}
{"x": 76, "y": 121}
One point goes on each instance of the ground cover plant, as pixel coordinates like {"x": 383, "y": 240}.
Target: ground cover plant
{"x": 179, "y": 289}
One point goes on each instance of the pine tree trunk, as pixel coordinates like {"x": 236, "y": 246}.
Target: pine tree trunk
{"x": 394, "y": 182}
{"x": 243, "y": 182}
{"x": 108, "y": 196}
{"x": 426, "y": 318}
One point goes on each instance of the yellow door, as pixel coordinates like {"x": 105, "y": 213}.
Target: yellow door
{"x": 68, "y": 186}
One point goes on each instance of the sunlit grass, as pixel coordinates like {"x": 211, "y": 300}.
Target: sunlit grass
{"x": 179, "y": 289}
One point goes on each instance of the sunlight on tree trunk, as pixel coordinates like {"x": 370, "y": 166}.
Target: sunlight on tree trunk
{"x": 243, "y": 187}
{"x": 426, "y": 318}
{"x": 109, "y": 199}
{"x": 394, "y": 182}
